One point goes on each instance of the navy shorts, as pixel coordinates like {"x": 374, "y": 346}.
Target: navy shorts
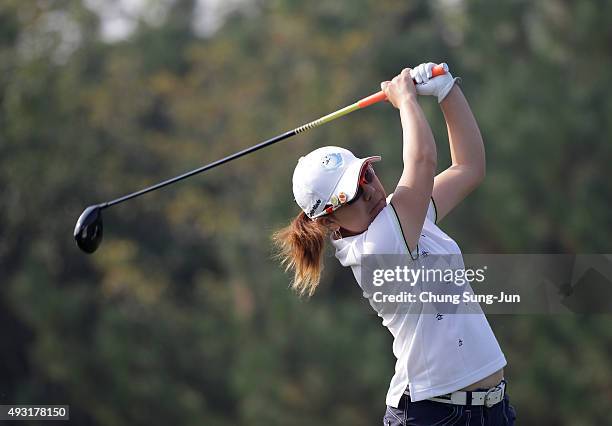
{"x": 438, "y": 413}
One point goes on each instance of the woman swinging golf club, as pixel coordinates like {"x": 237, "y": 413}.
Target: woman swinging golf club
{"x": 449, "y": 368}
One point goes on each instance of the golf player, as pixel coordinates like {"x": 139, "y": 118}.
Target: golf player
{"x": 449, "y": 368}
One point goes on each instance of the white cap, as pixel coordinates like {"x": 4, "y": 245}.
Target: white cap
{"x": 327, "y": 178}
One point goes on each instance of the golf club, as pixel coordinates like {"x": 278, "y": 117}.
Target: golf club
{"x": 88, "y": 231}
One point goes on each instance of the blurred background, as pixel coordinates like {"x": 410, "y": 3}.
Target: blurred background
{"x": 182, "y": 316}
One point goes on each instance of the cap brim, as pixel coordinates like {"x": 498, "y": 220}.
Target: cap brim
{"x": 349, "y": 182}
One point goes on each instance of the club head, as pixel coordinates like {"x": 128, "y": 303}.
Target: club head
{"x": 88, "y": 229}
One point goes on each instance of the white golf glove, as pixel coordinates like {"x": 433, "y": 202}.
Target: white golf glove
{"x": 436, "y": 86}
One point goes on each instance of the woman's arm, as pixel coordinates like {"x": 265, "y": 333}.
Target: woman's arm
{"x": 467, "y": 153}
{"x": 411, "y": 197}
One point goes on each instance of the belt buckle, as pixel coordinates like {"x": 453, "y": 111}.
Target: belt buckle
{"x": 487, "y": 402}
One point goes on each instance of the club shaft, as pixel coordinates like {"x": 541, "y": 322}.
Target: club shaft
{"x": 201, "y": 169}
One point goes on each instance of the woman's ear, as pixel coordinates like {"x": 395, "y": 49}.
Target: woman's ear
{"x": 329, "y": 222}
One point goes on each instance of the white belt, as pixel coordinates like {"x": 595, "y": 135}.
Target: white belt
{"x": 487, "y": 398}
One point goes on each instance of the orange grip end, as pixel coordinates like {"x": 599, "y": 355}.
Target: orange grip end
{"x": 438, "y": 70}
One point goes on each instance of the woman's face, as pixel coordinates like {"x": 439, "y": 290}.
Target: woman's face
{"x": 355, "y": 217}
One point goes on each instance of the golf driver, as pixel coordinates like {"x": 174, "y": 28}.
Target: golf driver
{"x": 88, "y": 231}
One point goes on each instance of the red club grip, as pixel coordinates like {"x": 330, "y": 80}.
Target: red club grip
{"x": 380, "y": 96}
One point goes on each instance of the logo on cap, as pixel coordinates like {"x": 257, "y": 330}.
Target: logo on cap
{"x": 314, "y": 208}
{"x": 332, "y": 161}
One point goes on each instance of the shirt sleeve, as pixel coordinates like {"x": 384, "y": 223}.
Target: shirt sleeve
{"x": 385, "y": 236}
{"x": 432, "y": 211}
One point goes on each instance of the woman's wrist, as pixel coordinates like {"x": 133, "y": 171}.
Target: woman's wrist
{"x": 408, "y": 101}
{"x": 451, "y": 95}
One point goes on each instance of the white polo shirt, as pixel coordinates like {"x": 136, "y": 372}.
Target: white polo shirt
{"x": 434, "y": 356}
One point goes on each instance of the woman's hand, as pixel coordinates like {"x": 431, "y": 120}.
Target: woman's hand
{"x": 400, "y": 89}
{"x": 437, "y": 86}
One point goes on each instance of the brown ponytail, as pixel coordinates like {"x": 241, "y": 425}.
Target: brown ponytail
{"x": 300, "y": 247}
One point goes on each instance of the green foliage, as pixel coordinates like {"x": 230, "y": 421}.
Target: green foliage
{"x": 182, "y": 316}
